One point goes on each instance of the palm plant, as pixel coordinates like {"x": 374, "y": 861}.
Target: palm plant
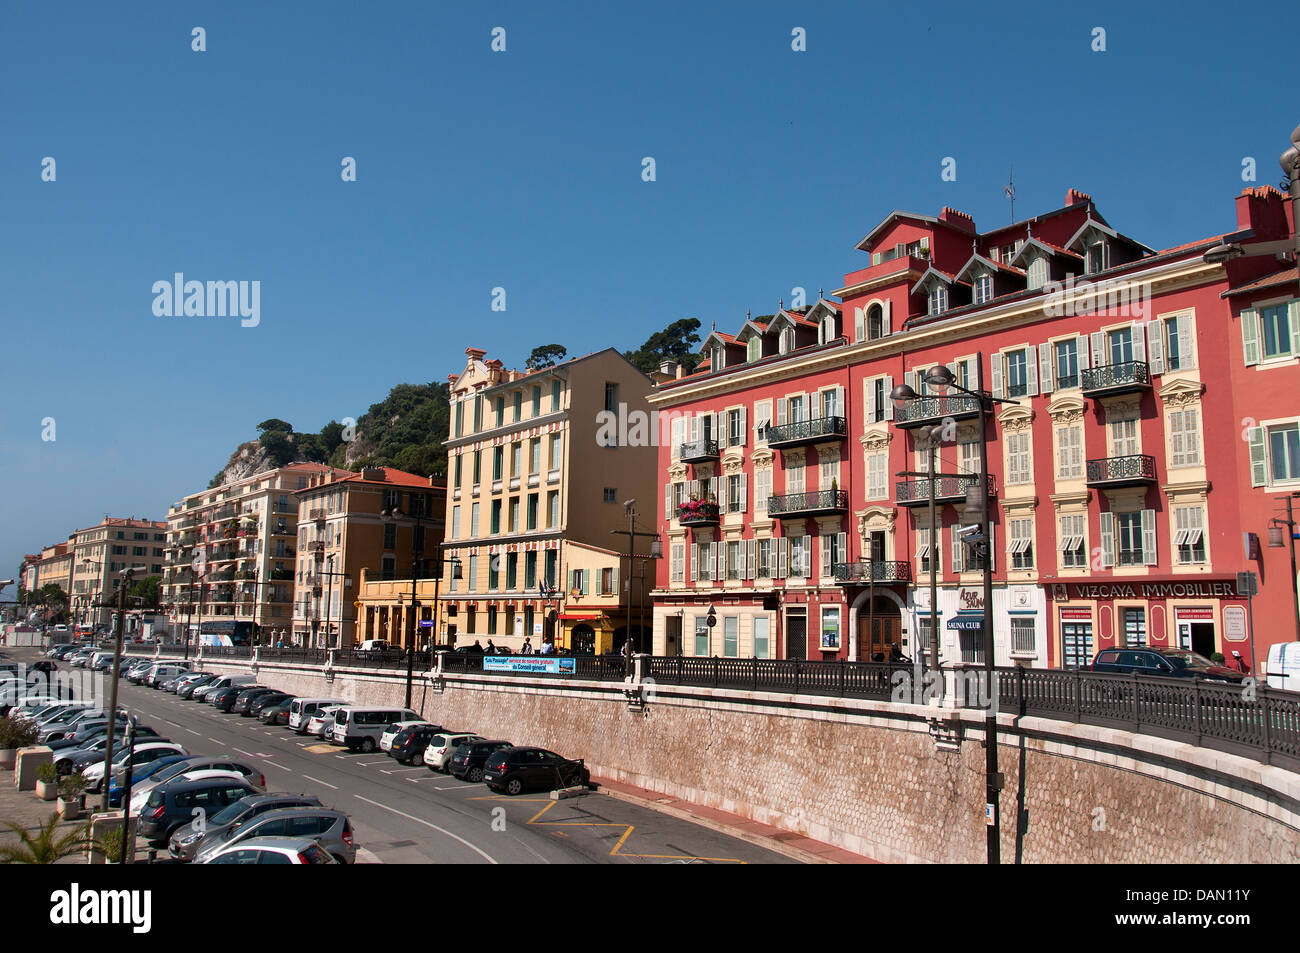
{"x": 45, "y": 846}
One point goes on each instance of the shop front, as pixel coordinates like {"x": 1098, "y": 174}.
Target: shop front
{"x": 1203, "y": 615}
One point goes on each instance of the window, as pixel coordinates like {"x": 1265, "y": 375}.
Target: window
{"x": 555, "y": 395}
{"x": 1022, "y": 636}
{"x": 735, "y": 493}
{"x": 794, "y": 479}
{"x": 1071, "y": 541}
{"x": 800, "y": 556}
{"x": 754, "y": 348}
{"x": 762, "y": 628}
{"x": 555, "y": 452}
{"x": 514, "y": 515}
{"x": 390, "y": 536}
{"x": 983, "y": 289}
{"x": 1098, "y": 258}
{"x": 501, "y": 411}
{"x": 1189, "y": 534}
{"x": 460, "y": 418}
{"x": 478, "y": 412}
{"x": 552, "y": 566}
{"x": 473, "y": 520}
{"x": 1121, "y": 345}
{"x": 877, "y": 407}
{"x": 830, "y": 641}
{"x": 478, "y": 466}
{"x": 702, "y": 636}
{"x": 495, "y": 518}
{"x": 498, "y": 462}
{"x": 677, "y": 562}
{"x": 610, "y": 494}
{"x": 1129, "y": 538}
{"x": 938, "y": 299}
{"x": 1284, "y": 452}
{"x": 535, "y": 455}
{"x": 875, "y": 322}
{"x": 537, "y": 401}
{"x": 611, "y": 406}
{"x": 1124, "y": 437}
{"x": 388, "y": 568}
{"x": 516, "y": 460}
{"x": 925, "y": 548}
{"x": 512, "y": 570}
{"x": 796, "y": 409}
{"x": 735, "y": 428}
{"x": 1019, "y": 469}
{"x": 763, "y": 568}
{"x": 1184, "y": 437}
{"x": 471, "y": 575}
{"x": 716, "y": 361}
{"x": 532, "y": 511}
{"x": 1020, "y": 543}
{"x": 730, "y": 636}
{"x": 1076, "y": 641}
{"x": 972, "y": 645}
{"x": 1067, "y": 363}
{"x": 734, "y": 568}
{"x": 1176, "y": 345}
{"x": 1275, "y": 323}
{"x": 1069, "y": 453}
{"x": 762, "y": 489}
{"x": 877, "y": 480}
{"x": 1037, "y": 276}
{"x": 1017, "y": 373}
{"x": 519, "y": 405}
{"x": 828, "y": 462}
{"x": 492, "y": 620}
{"x": 554, "y": 501}
{"x": 831, "y": 403}
{"x": 494, "y": 572}
{"x": 1135, "y": 626}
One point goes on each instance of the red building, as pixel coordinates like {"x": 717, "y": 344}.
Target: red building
{"x": 1118, "y": 516}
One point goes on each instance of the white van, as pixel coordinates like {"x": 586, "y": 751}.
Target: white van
{"x": 360, "y": 727}
{"x": 163, "y": 673}
{"x": 301, "y": 710}
{"x": 227, "y": 681}
{"x": 1284, "y": 666}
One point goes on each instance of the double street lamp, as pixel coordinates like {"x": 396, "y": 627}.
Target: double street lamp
{"x": 940, "y": 377}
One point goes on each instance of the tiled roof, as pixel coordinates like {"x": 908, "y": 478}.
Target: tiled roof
{"x": 1287, "y": 276}
{"x": 392, "y": 476}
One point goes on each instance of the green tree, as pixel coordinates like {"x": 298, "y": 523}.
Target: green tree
{"x": 45, "y": 846}
{"x": 546, "y": 355}
{"x": 331, "y": 436}
{"x": 677, "y": 342}
{"x": 278, "y": 446}
{"x": 146, "y": 590}
{"x": 275, "y": 423}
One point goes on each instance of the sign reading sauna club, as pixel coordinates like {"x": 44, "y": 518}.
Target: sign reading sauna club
{"x": 1144, "y": 590}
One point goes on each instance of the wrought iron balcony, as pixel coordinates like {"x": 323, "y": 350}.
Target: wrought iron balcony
{"x": 800, "y": 505}
{"x": 865, "y": 570}
{"x": 946, "y": 490}
{"x": 930, "y": 410}
{"x": 698, "y": 450}
{"x": 803, "y": 432}
{"x": 1115, "y": 379}
{"x": 316, "y": 547}
{"x": 1122, "y": 471}
{"x": 698, "y": 514}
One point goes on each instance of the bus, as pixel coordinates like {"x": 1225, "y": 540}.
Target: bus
{"x": 226, "y": 632}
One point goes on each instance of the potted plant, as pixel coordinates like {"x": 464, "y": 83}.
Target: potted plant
{"x": 15, "y": 733}
{"x": 47, "y": 782}
{"x": 43, "y": 847}
{"x": 72, "y": 789}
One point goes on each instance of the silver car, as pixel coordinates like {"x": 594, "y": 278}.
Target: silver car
{"x": 329, "y": 828}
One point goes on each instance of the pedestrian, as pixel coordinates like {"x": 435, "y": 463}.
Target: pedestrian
{"x": 527, "y": 647}
{"x": 478, "y": 646}
{"x": 491, "y": 649}
{"x": 548, "y": 648}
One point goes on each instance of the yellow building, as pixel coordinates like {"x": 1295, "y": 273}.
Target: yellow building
{"x": 102, "y": 551}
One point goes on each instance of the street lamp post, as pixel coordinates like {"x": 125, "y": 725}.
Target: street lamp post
{"x": 656, "y": 552}
{"x": 417, "y": 551}
{"x": 1290, "y": 524}
{"x": 117, "y": 665}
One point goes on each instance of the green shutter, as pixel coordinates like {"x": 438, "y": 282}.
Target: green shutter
{"x": 1250, "y": 336}
{"x": 1293, "y": 317}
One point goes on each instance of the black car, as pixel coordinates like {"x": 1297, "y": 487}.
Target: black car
{"x": 259, "y": 703}
{"x": 188, "y": 690}
{"x": 224, "y": 699}
{"x": 172, "y": 805}
{"x": 245, "y": 698}
{"x": 468, "y": 761}
{"x": 1168, "y": 663}
{"x": 514, "y": 770}
{"x": 409, "y": 743}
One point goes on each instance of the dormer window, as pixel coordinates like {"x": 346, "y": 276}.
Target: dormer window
{"x": 983, "y": 289}
{"x": 1037, "y": 276}
{"x": 787, "y": 341}
{"x": 938, "y": 299}
{"x": 754, "y": 349}
{"x": 1098, "y": 258}
{"x": 828, "y": 328}
{"x": 715, "y": 359}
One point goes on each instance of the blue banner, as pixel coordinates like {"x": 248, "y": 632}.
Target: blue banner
{"x": 534, "y": 664}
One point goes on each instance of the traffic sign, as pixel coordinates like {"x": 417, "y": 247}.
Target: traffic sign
{"x": 425, "y": 623}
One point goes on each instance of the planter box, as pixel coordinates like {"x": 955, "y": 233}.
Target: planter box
{"x": 47, "y": 791}
{"x": 8, "y": 757}
{"x": 70, "y": 809}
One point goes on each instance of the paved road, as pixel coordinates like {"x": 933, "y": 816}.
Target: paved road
{"x": 413, "y": 815}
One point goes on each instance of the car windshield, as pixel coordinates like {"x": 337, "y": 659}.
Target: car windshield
{"x": 1188, "y": 660}
{"x": 229, "y": 813}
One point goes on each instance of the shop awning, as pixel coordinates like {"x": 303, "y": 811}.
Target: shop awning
{"x": 967, "y": 621}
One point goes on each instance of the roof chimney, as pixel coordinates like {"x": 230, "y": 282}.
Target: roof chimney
{"x": 475, "y": 353}
{"x": 373, "y": 473}
{"x": 1074, "y": 197}
{"x": 958, "y": 219}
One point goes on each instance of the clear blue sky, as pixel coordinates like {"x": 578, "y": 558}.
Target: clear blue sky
{"x": 522, "y": 170}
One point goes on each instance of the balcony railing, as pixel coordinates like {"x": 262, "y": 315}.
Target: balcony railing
{"x": 698, "y": 450}
{"x": 1115, "y": 378}
{"x": 698, "y": 514}
{"x": 803, "y": 432}
{"x": 946, "y": 490}
{"x": 928, "y": 410}
{"x": 794, "y": 505}
{"x": 879, "y": 570}
{"x": 1122, "y": 471}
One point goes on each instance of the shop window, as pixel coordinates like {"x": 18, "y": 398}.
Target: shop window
{"x": 1135, "y": 626}
{"x": 1022, "y": 636}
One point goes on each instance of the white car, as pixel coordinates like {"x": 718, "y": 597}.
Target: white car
{"x": 140, "y": 754}
{"x": 301, "y": 710}
{"x": 272, "y": 850}
{"x": 441, "y": 747}
{"x": 322, "y": 722}
{"x": 386, "y": 739}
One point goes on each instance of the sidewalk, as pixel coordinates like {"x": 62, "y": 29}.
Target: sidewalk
{"x": 792, "y": 845}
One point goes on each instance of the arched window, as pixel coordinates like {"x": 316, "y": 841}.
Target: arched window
{"x": 875, "y": 322}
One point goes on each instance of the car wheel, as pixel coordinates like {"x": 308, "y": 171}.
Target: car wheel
{"x": 340, "y": 858}
{"x": 368, "y": 746}
{"x": 514, "y": 786}
{"x": 476, "y": 775}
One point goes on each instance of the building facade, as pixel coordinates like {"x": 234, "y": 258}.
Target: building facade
{"x": 797, "y": 500}
{"x": 374, "y": 522}
{"x": 101, "y": 552}
{"x": 231, "y": 555}
{"x": 536, "y": 460}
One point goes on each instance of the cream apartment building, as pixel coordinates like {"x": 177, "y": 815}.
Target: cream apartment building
{"x": 101, "y": 552}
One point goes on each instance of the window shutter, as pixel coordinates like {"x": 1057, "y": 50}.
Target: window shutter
{"x": 715, "y": 559}
{"x": 1081, "y": 350}
{"x": 1177, "y": 455}
{"x": 751, "y": 561}
{"x": 1139, "y": 341}
{"x": 995, "y": 364}
{"x": 886, "y": 321}
{"x": 722, "y": 494}
{"x": 679, "y": 430}
{"x": 958, "y": 550}
{"x": 614, "y": 580}
{"x": 1098, "y": 349}
{"x": 1185, "y": 344}
{"x": 993, "y": 549}
{"x": 840, "y": 409}
{"x": 782, "y": 406}
{"x": 1250, "y": 338}
{"x": 741, "y": 552}
{"x": 824, "y": 564}
{"x": 889, "y": 403}
{"x": 842, "y": 547}
{"x": 571, "y": 586}
{"x": 1293, "y": 315}
{"x": 952, "y": 369}
{"x": 1258, "y": 466}
{"x": 668, "y": 501}
{"x": 744, "y": 425}
{"x": 1155, "y": 347}
{"x": 694, "y": 428}
{"x": 1031, "y": 373}
{"x": 744, "y": 493}
{"x": 718, "y": 424}
{"x": 1149, "y": 537}
{"x": 1192, "y": 435}
{"x": 1046, "y": 375}
{"x": 859, "y": 325}
{"x": 807, "y": 556}
{"x": 782, "y": 557}
{"x": 695, "y": 561}
{"x": 871, "y": 401}
{"x": 1107, "y": 540}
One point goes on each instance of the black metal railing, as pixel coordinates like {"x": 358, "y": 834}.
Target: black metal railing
{"x": 228, "y": 651}
{"x": 294, "y": 653}
{"x": 924, "y": 409}
{"x": 789, "y": 676}
{"x": 879, "y": 570}
{"x": 819, "y": 501}
{"x": 945, "y": 488}
{"x": 1139, "y": 467}
{"x": 1115, "y": 376}
{"x": 807, "y": 431}
{"x": 698, "y": 450}
{"x": 697, "y": 514}
{"x": 391, "y": 658}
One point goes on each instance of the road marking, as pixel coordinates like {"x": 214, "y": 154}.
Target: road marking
{"x": 217, "y": 740}
{"x": 191, "y": 731}
{"x": 280, "y": 766}
{"x": 368, "y": 763}
{"x": 398, "y": 770}
{"x": 243, "y": 752}
{"x": 308, "y": 777}
{"x": 486, "y": 856}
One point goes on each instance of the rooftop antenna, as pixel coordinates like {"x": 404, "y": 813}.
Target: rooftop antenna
{"x": 1010, "y": 190}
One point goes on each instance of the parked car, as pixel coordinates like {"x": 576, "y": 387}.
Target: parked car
{"x": 193, "y": 768}
{"x": 359, "y": 727}
{"x": 321, "y": 724}
{"x": 188, "y": 689}
{"x": 145, "y": 777}
{"x": 470, "y": 756}
{"x": 1169, "y": 663}
{"x": 441, "y": 747}
{"x": 374, "y": 645}
{"x": 256, "y": 705}
{"x": 185, "y": 842}
{"x": 301, "y": 710}
{"x": 245, "y": 698}
{"x": 171, "y": 806}
{"x": 186, "y": 678}
{"x": 514, "y": 770}
{"x": 409, "y": 744}
{"x": 1283, "y": 662}
{"x": 139, "y": 754}
{"x": 276, "y": 714}
{"x": 222, "y": 683}
{"x": 389, "y": 733}
{"x": 161, "y": 673}
{"x": 329, "y": 828}
{"x": 224, "y": 700}
{"x": 273, "y": 850}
